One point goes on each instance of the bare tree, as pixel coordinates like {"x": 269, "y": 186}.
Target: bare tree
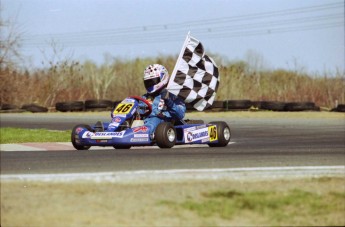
{"x": 10, "y": 43}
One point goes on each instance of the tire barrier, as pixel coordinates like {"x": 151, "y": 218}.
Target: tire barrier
{"x": 300, "y": 106}
{"x": 34, "y": 108}
{"x": 10, "y": 108}
{"x": 339, "y": 108}
{"x": 98, "y": 105}
{"x": 69, "y": 106}
{"x": 237, "y": 104}
{"x": 227, "y": 105}
{"x": 272, "y": 105}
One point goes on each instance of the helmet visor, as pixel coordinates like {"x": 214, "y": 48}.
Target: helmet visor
{"x": 151, "y": 82}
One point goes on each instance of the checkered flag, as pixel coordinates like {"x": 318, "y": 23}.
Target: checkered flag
{"x": 195, "y": 77}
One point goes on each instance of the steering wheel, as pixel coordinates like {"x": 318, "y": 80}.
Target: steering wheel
{"x": 149, "y": 106}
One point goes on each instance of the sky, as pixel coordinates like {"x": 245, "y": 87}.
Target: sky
{"x": 303, "y": 35}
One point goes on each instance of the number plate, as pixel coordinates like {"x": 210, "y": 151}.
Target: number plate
{"x": 123, "y": 108}
{"x": 212, "y": 132}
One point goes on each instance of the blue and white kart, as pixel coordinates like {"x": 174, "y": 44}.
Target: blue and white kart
{"x": 127, "y": 129}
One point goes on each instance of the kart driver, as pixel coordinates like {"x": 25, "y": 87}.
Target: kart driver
{"x": 166, "y": 107}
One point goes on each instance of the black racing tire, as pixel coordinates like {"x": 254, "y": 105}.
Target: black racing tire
{"x": 12, "y": 111}
{"x": 217, "y": 104}
{"x": 299, "y": 106}
{"x": 117, "y": 147}
{"x": 273, "y": 105}
{"x": 340, "y": 108}
{"x": 165, "y": 135}
{"x": 98, "y": 104}
{"x": 224, "y": 134}
{"x": 34, "y": 108}
{"x": 8, "y": 107}
{"x": 70, "y": 106}
{"x": 237, "y": 104}
{"x": 74, "y": 138}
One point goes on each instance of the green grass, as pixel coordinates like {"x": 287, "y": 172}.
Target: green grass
{"x": 277, "y": 207}
{"x": 19, "y": 135}
{"x": 223, "y": 202}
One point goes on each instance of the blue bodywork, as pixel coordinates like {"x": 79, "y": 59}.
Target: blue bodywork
{"x": 139, "y": 136}
{"x": 114, "y": 133}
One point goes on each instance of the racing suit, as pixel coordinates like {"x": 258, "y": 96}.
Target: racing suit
{"x": 166, "y": 107}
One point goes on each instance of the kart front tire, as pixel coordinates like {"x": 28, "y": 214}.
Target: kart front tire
{"x": 224, "y": 134}
{"x": 75, "y": 138}
{"x": 165, "y": 135}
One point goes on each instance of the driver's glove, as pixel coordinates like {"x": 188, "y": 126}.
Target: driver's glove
{"x": 166, "y": 97}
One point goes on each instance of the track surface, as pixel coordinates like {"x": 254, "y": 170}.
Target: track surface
{"x": 258, "y": 143}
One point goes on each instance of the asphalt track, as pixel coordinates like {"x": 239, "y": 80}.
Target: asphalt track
{"x": 279, "y": 142}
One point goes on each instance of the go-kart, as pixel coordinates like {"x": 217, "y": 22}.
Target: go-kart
{"x": 127, "y": 129}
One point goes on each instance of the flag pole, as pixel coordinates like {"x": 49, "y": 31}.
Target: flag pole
{"x": 173, "y": 74}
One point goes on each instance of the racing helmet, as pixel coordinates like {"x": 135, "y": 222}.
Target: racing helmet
{"x": 156, "y": 77}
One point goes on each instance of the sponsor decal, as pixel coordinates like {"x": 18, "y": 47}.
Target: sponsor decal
{"x": 189, "y": 137}
{"x": 141, "y": 135}
{"x": 139, "y": 139}
{"x": 128, "y": 100}
{"x": 140, "y": 129}
{"x": 161, "y": 104}
{"x": 133, "y": 111}
{"x": 190, "y": 129}
{"x": 103, "y": 134}
{"x": 114, "y": 124}
{"x": 88, "y": 134}
{"x": 196, "y": 135}
{"x": 116, "y": 119}
{"x": 78, "y": 130}
{"x": 112, "y": 134}
{"x": 205, "y": 140}
{"x": 101, "y": 141}
{"x": 200, "y": 126}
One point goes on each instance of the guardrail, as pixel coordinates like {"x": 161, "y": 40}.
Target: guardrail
{"x": 225, "y": 105}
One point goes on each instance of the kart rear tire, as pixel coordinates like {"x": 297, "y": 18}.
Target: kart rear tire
{"x": 224, "y": 134}
{"x": 74, "y": 135}
{"x": 122, "y": 146}
{"x": 165, "y": 135}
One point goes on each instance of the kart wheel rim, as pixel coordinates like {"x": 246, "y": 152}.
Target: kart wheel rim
{"x": 226, "y": 133}
{"x": 171, "y": 135}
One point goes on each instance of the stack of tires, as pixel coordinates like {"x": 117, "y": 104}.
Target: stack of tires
{"x": 301, "y": 106}
{"x": 10, "y": 108}
{"x": 237, "y": 104}
{"x": 69, "y": 106}
{"x": 89, "y": 105}
{"x": 99, "y": 105}
{"x": 339, "y": 108}
{"x": 34, "y": 108}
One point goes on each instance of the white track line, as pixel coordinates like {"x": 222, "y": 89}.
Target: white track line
{"x": 255, "y": 173}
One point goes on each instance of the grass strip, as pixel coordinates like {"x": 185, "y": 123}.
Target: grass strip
{"x": 19, "y": 135}
{"x": 301, "y": 202}
{"x": 279, "y": 208}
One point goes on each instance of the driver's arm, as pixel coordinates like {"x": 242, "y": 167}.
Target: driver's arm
{"x": 175, "y": 106}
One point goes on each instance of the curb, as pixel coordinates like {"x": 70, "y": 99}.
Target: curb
{"x": 58, "y": 146}
{"x": 67, "y": 146}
